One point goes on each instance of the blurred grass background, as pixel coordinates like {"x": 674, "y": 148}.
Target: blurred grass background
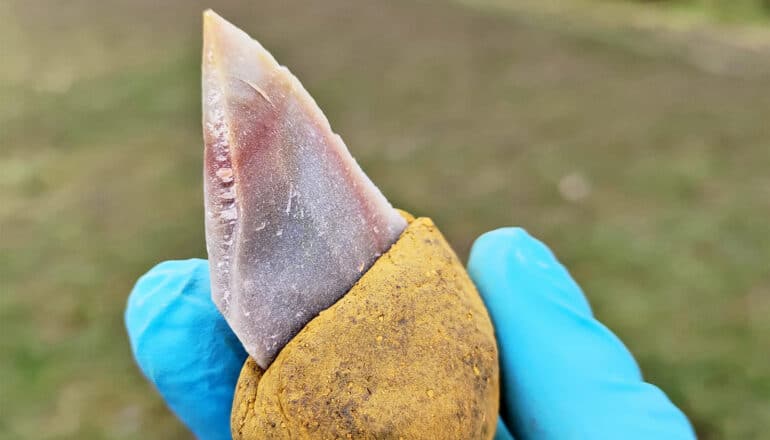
{"x": 722, "y": 10}
{"x": 631, "y": 137}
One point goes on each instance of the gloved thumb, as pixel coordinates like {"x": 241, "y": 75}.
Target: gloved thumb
{"x": 564, "y": 374}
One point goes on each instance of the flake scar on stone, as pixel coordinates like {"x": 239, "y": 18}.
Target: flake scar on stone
{"x": 258, "y": 90}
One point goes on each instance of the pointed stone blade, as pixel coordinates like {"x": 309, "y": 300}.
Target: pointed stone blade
{"x": 292, "y": 221}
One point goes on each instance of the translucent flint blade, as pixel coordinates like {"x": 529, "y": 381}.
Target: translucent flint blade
{"x": 292, "y": 221}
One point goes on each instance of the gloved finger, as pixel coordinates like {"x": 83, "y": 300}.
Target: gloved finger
{"x": 502, "y": 432}
{"x": 184, "y": 346}
{"x": 564, "y": 374}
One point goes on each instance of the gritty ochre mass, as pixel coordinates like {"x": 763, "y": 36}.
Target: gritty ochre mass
{"x": 409, "y": 352}
{"x": 359, "y": 320}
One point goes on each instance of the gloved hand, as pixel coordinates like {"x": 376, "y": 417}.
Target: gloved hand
{"x": 563, "y": 374}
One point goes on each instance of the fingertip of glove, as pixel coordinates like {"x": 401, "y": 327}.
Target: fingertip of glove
{"x": 500, "y": 239}
{"x": 509, "y": 260}
{"x": 167, "y": 277}
{"x": 175, "y": 271}
{"x": 157, "y": 288}
{"x": 509, "y": 248}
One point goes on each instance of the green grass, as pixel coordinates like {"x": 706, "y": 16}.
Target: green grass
{"x": 476, "y": 118}
{"x": 723, "y": 10}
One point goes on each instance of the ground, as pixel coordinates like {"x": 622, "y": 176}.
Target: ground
{"x": 640, "y": 156}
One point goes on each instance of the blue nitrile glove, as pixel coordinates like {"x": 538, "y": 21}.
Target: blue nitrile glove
{"x": 184, "y": 345}
{"x": 564, "y": 375}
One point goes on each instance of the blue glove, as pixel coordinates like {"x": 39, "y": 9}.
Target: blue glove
{"x": 184, "y": 346}
{"x": 564, "y": 375}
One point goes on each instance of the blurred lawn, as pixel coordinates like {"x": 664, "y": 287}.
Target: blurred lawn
{"x": 645, "y": 171}
{"x": 724, "y": 10}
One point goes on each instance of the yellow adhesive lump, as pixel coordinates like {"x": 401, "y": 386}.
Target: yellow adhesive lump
{"x": 408, "y": 353}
